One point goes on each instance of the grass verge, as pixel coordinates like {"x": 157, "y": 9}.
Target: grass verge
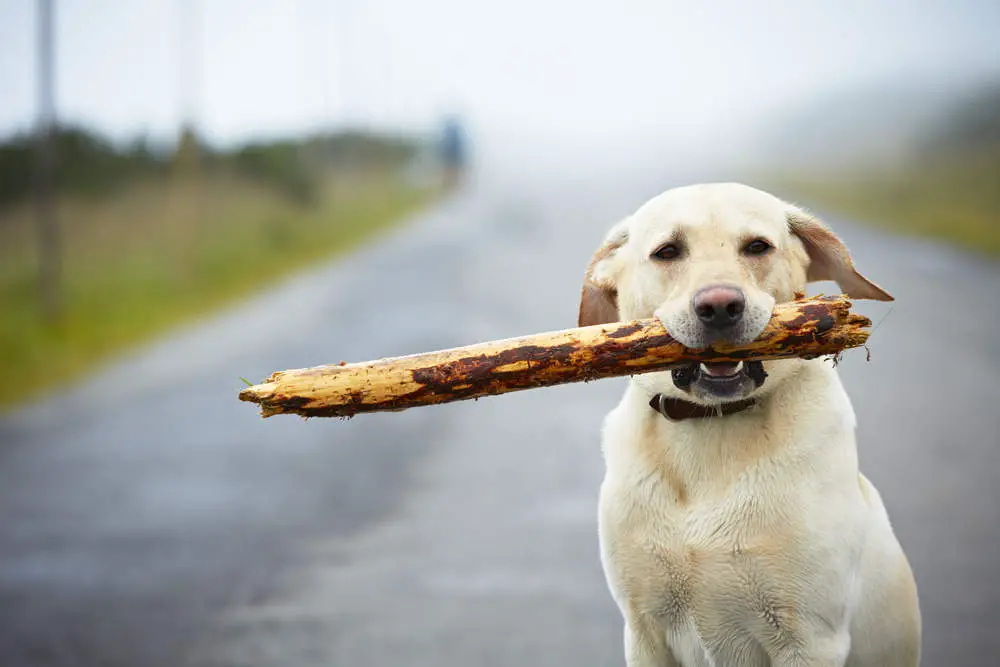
{"x": 160, "y": 253}
{"x": 957, "y": 200}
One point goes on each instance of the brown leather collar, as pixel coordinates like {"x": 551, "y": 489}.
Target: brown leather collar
{"x": 676, "y": 409}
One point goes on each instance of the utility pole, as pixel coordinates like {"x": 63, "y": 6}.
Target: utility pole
{"x": 190, "y": 61}
{"x": 187, "y": 156}
{"x": 49, "y": 241}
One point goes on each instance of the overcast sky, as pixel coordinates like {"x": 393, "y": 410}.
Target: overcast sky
{"x": 572, "y": 68}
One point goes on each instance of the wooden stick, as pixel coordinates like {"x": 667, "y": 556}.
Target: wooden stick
{"x": 803, "y": 328}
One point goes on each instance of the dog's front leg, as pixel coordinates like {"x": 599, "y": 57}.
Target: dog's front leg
{"x": 820, "y": 650}
{"x": 646, "y": 644}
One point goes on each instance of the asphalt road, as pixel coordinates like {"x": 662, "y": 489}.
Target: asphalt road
{"x": 147, "y": 518}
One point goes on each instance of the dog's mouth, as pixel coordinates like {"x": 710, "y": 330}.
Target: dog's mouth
{"x": 720, "y": 380}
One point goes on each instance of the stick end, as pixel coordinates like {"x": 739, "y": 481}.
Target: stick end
{"x": 257, "y": 393}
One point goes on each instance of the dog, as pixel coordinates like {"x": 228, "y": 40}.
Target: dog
{"x": 735, "y": 527}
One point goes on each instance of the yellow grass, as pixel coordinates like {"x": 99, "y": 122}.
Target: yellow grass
{"x": 956, "y": 200}
{"x": 159, "y": 253}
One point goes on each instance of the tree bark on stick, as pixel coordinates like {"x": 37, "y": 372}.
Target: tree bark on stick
{"x": 803, "y": 328}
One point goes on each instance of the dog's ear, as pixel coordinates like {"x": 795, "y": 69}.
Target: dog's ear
{"x": 599, "y": 299}
{"x": 829, "y": 259}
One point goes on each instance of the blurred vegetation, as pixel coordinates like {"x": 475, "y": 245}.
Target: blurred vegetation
{"x": 945, "y": 185}
{"x": 152, "y": 238}
{"x": 92, "y": 165}
{"x": 88, "y": 163}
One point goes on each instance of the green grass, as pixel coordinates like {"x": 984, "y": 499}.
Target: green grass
{"x": 955, "y": 199}
{"x": 159, "y": 254}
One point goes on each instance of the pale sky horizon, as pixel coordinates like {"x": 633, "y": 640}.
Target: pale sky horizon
{"x": 572, "y": 69}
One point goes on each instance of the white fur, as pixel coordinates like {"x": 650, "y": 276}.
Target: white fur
{"x": 750, "y": 539}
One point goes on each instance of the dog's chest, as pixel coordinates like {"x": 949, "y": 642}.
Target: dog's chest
{"x": 673, "y": 574}
{"x": 711, "y": 582}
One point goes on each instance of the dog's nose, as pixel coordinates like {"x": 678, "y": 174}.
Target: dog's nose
{"x": 719, "y": 306}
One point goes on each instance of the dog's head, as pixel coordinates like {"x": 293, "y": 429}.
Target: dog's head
{"x": 710, "y": 261}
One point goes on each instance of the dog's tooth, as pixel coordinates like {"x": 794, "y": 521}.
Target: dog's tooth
{"x": 719, "y": 372}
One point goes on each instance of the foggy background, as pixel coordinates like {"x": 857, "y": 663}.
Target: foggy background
{"x": 642, "y": 73}
{"x": 194, "y": 192}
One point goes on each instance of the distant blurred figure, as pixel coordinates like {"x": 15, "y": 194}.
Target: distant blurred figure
{"x": 454, "y": 152}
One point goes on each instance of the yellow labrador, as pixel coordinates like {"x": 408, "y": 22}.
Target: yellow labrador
{"x": 735, "y": 527}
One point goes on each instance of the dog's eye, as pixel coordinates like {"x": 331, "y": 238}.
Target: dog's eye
{"x": 757, "y": 247}
{"x": 669, "y": 251}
